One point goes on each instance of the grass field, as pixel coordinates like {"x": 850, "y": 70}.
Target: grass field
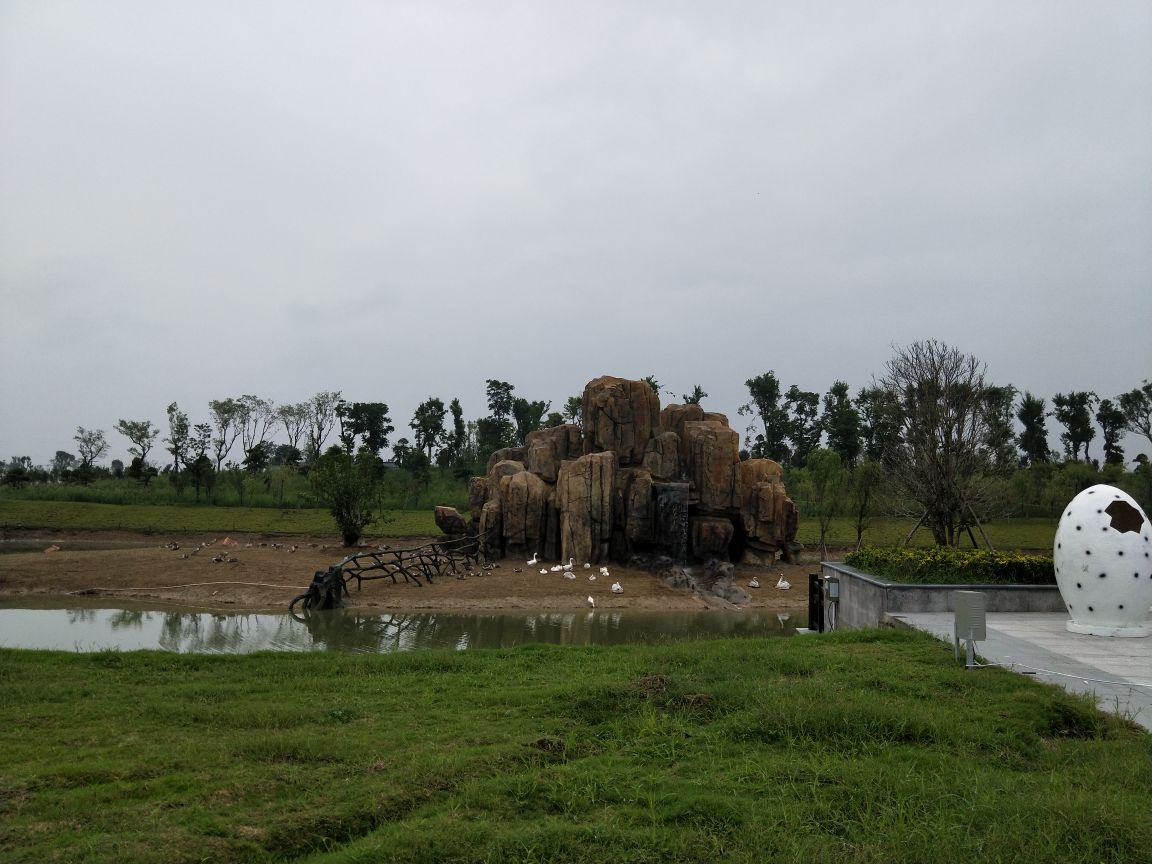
{"x": 873, "y": 746}
{"x": 1009, "y": 534}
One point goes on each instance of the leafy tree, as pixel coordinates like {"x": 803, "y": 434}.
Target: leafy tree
{"x": 574, "y": 409}
{"x": 1112, "y": 422}
{"x": 452, "y": 453}
{"x": 826, "y": 479}
{"x": 864, "y": 484}
{"x": 496, "y": 430}
{"x": 1137, "y": 407}
{"x": 554, "y": 419}
{"x": 1073, "y": 411}
{"x": 179, "y": 434}
{"x": 941, "y": 460}
{"x": 1000, "y": 439}
{"x": 255, "y": 418}
{"x": 367, "y": 421}
{"x": 427, "y": 425}
{"x": 117, "y": 468}
{"x": 201, "y": 470}
{"x": 1033, "y": 438}
{"x": 92, "y": 446}
{"x": 695, "y": 397}
{"x": 841, "y": 421}
{"x": 287, "y": 456}
{"x": 18, "y": 473}
{"x": 804, "y": 430}
{"x": 347, "y": 486}
{"x": 63, "y": 464}
{"x": 226, "y": 424}
{"x": 258, "y": 457}
{"x": 529, "y": 416}
{"x": 880, "y": 420}
{"x": 140, "y": 470}
{"x": 656, "y": 386}
{"x": 294, "y": 419}
{"x": 765, "y": 404}
{"x": 141, "y": 434}
{"x": 321, "y": 421}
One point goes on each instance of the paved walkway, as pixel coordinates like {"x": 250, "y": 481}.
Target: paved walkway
{"x": 1116, "y": 671}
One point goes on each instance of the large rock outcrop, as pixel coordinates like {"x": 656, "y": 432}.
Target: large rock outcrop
{"x": 631, "y": 478}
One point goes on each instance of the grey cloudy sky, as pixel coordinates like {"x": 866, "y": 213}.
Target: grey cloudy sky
{"x": 403, "y": 199}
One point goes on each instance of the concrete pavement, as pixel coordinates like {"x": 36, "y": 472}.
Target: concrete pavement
{"x": 1117, "y": 672}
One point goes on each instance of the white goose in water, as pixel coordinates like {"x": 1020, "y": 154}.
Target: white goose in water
{"x": 535, "y": 559}
{"x": 543, "y": 571}
{"x": 591, "y": 601}
{"x": 617, "y": 588}
{"x": 755, "y": 583}
{"x": 783, "y": 584}
{"x": 568, "y": 566}
{"x": 604, "y": 572}
{"x": 569, "y": 575}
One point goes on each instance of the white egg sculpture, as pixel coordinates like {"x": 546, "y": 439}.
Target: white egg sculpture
{"x": 1103, "y": 560}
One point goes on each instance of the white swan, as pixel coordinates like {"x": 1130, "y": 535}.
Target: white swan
{"x": 783, "y": 584}
{"x": 617, "y": 588}
{"x": 569, "y": 575}
{"x": 604, "y": 572}
{"x": 591, "y": 601}
{"x": 535, "y": 559}
{"x": 591, "y": 577}
{"x": 568, "y": 566}
{"x": 543, "y": 571}
{"x": 755, "y": 583}
{"x": 587, "y": 565}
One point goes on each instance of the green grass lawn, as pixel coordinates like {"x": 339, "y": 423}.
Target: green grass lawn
{"x": 1007, "y": 534}
{"x": 872, "y": 746}
{"x": 168, "y": 519}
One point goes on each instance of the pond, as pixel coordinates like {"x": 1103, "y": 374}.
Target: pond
{"x": 81, "y": 628}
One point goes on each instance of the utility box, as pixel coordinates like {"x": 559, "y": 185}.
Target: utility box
{"x": 815, "y": 603}
{"x": 970, "y": 610}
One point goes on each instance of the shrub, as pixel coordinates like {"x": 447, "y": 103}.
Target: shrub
{"x": 945, "y": 565}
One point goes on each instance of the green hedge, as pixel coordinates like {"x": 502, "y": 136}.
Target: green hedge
{"x": 944, "y": 565}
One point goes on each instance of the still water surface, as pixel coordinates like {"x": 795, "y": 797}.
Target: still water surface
{"x": 92, "y": 629}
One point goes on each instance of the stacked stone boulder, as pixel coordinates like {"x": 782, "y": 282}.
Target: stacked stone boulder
{"x": 631, "y": 478}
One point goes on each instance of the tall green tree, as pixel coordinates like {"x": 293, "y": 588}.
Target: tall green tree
{"x": 453, "y": 452}
{"x": 497, "y": 431}
{"x": 881, "y": 418}
{"x": 1000, "y": 439}
{"x": 804, "y": 429}
{"x": 574, "y": 409}
{"x": 179, "y": 434}
{"x": 321, "y": 421}
{"x": 765, "y": 404}
{"x": 294, "y": 419}
{"x": 841, "y": 422}
{"x": 1112, "y": 422}
{"x": 1073, "y": 410}
{"x": 347, "y": 485}
{"x": 225, "y": 414}
{"x": 941, "y": 460}
{"x": 826, "y": 481}
{"x": 365, "y": 422}
{"x": 255, "y": 418}
{"x": 92, "y": 446}
{"x": 1137, "y": 407}
{"x": 1033, "y": 438}
{"x": 528, "y": 416}
{"x": 427, "y": 425}
{"x": 142, "y": 435}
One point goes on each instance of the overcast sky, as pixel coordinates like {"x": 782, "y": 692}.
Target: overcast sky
{"x": 402, "y": 199}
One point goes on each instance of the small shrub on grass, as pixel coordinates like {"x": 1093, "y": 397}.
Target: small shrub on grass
{"x": 945, "y": 565}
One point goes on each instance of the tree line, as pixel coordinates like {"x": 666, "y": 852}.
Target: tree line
{"x": 931, "y": 436}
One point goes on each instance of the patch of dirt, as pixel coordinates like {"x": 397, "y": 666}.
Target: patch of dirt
{"x": 261, "y": 572}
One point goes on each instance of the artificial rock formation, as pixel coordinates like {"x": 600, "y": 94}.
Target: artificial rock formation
{"x": 630, "y": 479}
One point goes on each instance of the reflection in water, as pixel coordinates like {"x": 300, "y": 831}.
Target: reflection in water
{"x": 79, "y": 629}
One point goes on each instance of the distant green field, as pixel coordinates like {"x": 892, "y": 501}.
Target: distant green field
{"x": 81, "y": 516}
{"x": 1007, "y": 534}
{"x": 1010, "y": 534}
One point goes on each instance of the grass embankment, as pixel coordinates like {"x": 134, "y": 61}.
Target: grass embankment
{"x": 851, "y": 747}
{"x": 78, "y": 516}
{"x": 175, "y": 519}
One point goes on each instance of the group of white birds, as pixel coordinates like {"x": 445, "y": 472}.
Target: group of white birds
{"x": 569, "y": 572}
{"x": 783, "y": 584}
